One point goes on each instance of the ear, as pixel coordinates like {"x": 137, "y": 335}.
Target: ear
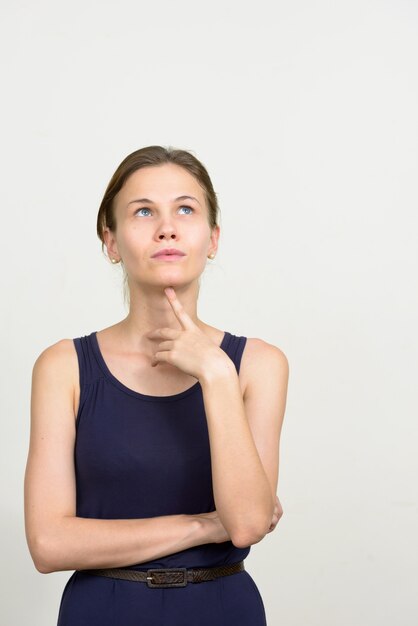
{"x": 214, "y": 237}
{"x": 110, "y": 242}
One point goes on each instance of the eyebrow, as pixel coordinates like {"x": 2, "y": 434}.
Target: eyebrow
{"x": 175, "y": 200}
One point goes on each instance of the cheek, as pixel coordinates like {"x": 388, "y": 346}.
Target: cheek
{"x": 199, "y": 248}
{"x": 134, "y": 239}
{"x": 199, "y": 238}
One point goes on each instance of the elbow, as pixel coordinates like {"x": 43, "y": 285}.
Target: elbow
{"x": 241, "y": 541}
{"x": 43, "y": 568}
{"x": 41, "y": 555}
{"x": 247, "y": 538}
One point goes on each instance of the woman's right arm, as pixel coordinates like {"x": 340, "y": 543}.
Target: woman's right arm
{"x": 57, "y": 539}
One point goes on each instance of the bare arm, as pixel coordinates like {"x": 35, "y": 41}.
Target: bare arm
{"x": 57, "y": 539}
{"x": 244, "y": 439}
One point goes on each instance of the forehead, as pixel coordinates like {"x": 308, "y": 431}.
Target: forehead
{"x": 161, "y": 183}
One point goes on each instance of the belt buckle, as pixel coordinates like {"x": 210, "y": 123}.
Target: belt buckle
{"x": 154, "y": 575}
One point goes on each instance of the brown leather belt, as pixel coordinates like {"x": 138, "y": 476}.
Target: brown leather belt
{"x": 169, "y": 577}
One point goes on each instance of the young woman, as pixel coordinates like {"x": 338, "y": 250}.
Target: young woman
{"x": 154, "y": 450}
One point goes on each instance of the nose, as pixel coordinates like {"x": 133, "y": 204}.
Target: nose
{"x": 167, "y": 231}
{"x": 167, "y": 235}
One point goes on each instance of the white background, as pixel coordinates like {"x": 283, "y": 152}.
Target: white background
{"x": 305, "y": 114}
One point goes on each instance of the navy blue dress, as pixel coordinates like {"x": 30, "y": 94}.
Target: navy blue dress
{"x": 139, "y": 456}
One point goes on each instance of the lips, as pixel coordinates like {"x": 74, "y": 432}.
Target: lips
{"x": 168, "y": 252}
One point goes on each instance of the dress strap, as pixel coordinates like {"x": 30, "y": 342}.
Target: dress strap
{"x": 89, "y": 369}
{"x": 234, "y": 347}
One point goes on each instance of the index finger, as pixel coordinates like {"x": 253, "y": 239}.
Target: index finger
{"x": 179, "y": 311}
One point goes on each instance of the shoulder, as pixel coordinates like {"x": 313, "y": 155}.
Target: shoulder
{"x": 57, "y": 361}
{"x": 262, "y": 361}
{"x": 59, "y": 352}
{"x": 259, "y": 353}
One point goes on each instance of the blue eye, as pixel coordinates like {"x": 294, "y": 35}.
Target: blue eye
{"x": 182, "y": 207}
{"x": 187, "y": 207}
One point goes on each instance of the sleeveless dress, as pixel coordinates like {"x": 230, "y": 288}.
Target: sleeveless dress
{"x": 139, "y": 456}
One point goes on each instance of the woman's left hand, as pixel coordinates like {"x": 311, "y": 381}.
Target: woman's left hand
{"x": 189, "y": 349}
{"x": 277, "y": 513}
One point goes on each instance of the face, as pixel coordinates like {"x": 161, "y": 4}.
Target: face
{"x": 166, "y": 219}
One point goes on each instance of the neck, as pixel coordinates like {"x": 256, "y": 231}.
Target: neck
{"x": 150, "y": 309}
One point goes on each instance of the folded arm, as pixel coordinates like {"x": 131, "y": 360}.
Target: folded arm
{"x": 57, "y": 538}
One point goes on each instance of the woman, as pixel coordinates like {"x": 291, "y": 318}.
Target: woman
{"x": 153, "y": 460}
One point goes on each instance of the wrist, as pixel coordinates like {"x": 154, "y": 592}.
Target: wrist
{"x": 201, "y": 529}
{"x": 222, "y": 369}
